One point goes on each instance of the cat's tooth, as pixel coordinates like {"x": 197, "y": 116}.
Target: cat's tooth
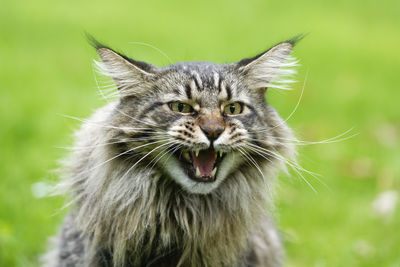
{"x": 198, "y": 172}
{"x": 197, "y": 151}
{"x": 220, "y": 154}
{"x": 186, "y": 156}
{"x": 215, "y": 154}
{"x": 214, "y": 171}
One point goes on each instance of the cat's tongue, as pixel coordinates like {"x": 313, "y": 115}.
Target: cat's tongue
{"x": 203, "y": 163}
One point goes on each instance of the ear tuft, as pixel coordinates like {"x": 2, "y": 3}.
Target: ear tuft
{"x": 272, "y": 68}
{"x": 294, "y": 40}
{"x": 130, "y": 76}
{"x": 93, "y": 42}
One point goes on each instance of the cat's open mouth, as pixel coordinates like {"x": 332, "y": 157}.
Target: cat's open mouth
{"x": 201, "y": 165}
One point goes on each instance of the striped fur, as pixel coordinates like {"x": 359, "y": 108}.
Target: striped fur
{"x": 132, "y": 202}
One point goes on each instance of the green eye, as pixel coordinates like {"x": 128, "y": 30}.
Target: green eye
{"x": 233, "y": 108}
{"x": 180, "y": 107}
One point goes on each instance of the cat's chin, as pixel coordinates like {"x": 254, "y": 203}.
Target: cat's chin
{"x": 200, "y": 172}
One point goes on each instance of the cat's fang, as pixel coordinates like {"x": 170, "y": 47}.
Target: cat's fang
{"x": 186, "y": 156}
{"x": 220, "y": 154}
{"x": 198, "y": 172}
{"x": 197, "y": 152}
{"x": 214, "y": 171}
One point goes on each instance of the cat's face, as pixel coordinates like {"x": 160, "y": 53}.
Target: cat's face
{"x": 199, "y": 122}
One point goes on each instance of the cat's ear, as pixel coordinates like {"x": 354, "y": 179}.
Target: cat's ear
{"x": 130, "y": 76}
{"x": 271, "y": 68}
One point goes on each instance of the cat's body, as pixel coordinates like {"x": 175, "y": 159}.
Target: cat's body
{"x": 178, "y": 171}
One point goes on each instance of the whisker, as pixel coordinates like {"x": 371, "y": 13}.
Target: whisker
{"x": 303, "y": 178}
{"x": 299, "y": 142}
{"x": 291, "y": 164}
{"x": 177, "y": 147}
{"x": 112, "y": 88}
{"x": 257, "y": 152}
{"x": 123, "y": 153}
{"x": 295, "y": 108}
{"x": 142, "y": 158}
{"x": 165, "y": 151}
{"x": 326, "y": 141}
{"x": 280, "y": 157}
{"x": 137, "y": 120}
{"x": 155, "y": 48}
{"x": 102, "y": 91}
{"x": 137, "y": 129}
{"x": 128, "y": 140}
{"x": 252, "y": 161}
{"x": 158, "y": 157}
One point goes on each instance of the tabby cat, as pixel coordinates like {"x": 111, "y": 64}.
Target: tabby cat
{"x": 179, "y": 170}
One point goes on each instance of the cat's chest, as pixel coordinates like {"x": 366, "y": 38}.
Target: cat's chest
{"x": 164, "y": 258}
{"x": 167, "y": 258}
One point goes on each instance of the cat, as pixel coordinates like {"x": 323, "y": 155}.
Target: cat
{"x": 179, "y": 170}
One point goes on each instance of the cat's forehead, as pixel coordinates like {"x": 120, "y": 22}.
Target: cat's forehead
{"x": 208, "y": 72}
{"x": 205, "y": 82}
{"x": 203, "y": 67}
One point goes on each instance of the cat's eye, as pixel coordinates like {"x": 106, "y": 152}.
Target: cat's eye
{"x": 233, "y": 108}
{"x": 180, "y": 107}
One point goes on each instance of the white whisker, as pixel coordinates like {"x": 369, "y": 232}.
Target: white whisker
{"x": 290, "y": 163}
{"x": 155, "y": 48}
{"x": 138, "y": 129}
{"x": 123, "y": 153}
{"x": 148, "y": 153}
{"x": 162, "y": 153}
{"x": 295, "y": 108}
{"x": 299, "y": 142}
{"x": 128, "y": 140}
{"x": 252, "y": 161}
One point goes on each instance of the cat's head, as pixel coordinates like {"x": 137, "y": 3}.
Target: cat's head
{"x": 199, "y": 122}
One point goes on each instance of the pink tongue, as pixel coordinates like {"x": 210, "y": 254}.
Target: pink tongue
{"x": 204, "y": 161}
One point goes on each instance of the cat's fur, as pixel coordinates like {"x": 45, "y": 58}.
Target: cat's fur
{"x": 134, "y": 204}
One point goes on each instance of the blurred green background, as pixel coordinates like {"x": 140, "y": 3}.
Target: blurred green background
{"x": 353, "y": 63}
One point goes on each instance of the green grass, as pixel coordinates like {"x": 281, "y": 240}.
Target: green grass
{"x": 353, "y": 65}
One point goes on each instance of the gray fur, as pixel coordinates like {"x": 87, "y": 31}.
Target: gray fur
{"x": 133, "y": 203}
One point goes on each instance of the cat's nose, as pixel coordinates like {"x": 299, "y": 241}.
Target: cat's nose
{"x": 212, "y": 130}
{"x": 212, "y": 124}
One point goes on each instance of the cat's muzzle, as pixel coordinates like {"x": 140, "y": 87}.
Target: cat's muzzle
{"x": 201, "y": 165}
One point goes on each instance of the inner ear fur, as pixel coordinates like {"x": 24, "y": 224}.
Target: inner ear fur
{"x": 129, "y": 75}
{"x": 270, "y": 68}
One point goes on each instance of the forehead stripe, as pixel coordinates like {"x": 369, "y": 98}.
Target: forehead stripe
{"x": 197, "y": 84}
{"x": 197, "y": 80}
{"x": 228, "y": 92}
{"x": 188, "y": 91}
{"x": 150, "y": 108}
{"x": 216, "y": 79}
{"x": 193, "y": 87}
{"x": 219, "y": 85}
